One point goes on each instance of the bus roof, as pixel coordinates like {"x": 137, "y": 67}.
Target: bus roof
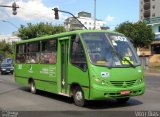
{"x": 61, "y": 35}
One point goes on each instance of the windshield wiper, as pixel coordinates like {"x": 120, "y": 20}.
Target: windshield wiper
{"x": 128, "y": 61}
{"x": 124, "y": 58}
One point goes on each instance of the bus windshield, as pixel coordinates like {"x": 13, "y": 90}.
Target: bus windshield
{"x": 110, "y": 49}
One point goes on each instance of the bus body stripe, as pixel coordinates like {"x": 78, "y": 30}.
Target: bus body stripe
{"x": 37, "y": 79}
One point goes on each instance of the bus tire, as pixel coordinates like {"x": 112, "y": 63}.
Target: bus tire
{"x": 32, "y": 87}
{"x": 78, "y": 97}
{"x": 123, "y": 100}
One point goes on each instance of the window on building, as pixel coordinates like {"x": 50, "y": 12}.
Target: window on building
{"x": 159, "y": 29}
{"x": 155, "y": 49}
{"x": 157, "y": 36}
{"x": 153, "y": 6}
{"x": 153, "y": 15}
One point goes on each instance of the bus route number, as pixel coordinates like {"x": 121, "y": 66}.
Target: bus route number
{"x": 120, "y": 38}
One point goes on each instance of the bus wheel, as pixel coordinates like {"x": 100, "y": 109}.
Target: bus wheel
{"x": 78, "y": 97}
{"x": 32, "y": 87}
{"x": 123, "y": 100}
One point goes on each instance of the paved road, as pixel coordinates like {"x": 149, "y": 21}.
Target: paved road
{"x": 17, "y": 98}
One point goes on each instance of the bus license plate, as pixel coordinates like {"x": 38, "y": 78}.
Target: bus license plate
{"x": 125, "y": 92}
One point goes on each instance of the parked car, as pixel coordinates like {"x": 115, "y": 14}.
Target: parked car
{"x": 6, "y": 68}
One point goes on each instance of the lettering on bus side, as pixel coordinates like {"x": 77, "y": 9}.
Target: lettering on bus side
{"x": 51, "y": 71}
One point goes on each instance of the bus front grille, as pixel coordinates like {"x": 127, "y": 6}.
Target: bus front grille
{"x": 123, "y": 83}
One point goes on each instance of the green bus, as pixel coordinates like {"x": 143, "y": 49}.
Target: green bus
{"x": 83, "y": 64}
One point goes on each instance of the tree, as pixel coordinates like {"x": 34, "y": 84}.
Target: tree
{"x": 6, "y": 50}
{"x": 140, "y": 33}
{"x": 38, "y": 30}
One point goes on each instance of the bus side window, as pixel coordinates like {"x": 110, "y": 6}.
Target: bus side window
{"x": 49, "y": 51}
{"x": 20, "y": 53}
{"x": 33, "y": 52}
{"x": 77, "y": 56}
{"x": 53, "y": 50}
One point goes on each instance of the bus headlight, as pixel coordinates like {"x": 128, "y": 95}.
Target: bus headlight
{"x": 102, "y": 82}
{"x": 97, "y": 80}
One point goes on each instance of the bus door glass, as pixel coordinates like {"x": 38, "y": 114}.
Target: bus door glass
{"x": 64, "y": 64}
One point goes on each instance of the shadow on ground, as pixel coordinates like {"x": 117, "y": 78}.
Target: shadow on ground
{"x": 95, "y": 105}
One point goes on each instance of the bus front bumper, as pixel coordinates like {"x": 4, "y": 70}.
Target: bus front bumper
{"x": 98, "y": 92}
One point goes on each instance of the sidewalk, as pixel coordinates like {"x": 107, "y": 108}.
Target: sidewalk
{"x": 154, "y": 71}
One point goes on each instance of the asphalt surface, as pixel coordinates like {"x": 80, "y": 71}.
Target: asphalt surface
{"x": 14, "y": 97}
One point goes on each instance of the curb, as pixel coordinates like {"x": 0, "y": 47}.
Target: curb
{"x": 152, "y": 73}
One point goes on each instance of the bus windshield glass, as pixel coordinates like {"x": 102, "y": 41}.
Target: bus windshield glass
{"x": 110, "y": 49}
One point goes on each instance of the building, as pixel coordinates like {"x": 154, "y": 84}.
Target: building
{"x": 149, "y": 9}
{"x": 9, "y": 38}
{"x": 85, "y": 18}
{"x": 150, "y": 13}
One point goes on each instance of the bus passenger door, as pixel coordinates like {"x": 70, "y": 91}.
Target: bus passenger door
{"x": 64, "y": 64}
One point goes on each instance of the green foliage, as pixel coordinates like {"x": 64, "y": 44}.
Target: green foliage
{"x": 6, "y": 50}
{"x": 140, "y": 33}
{"x": 38, "y": 30}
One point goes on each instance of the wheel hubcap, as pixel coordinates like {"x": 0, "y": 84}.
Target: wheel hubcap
{"x": 32, "y": 87}
{"x": 79, "y": 95}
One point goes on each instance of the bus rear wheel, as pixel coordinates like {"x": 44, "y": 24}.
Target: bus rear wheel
{"x": 122, "y": 100}
{"x": 32, "y": 87}
{"x": 78, "y": 97}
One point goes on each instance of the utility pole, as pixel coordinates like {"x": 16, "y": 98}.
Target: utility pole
{"x": 94, "y": 14}
{"x": 14, "y": 7}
